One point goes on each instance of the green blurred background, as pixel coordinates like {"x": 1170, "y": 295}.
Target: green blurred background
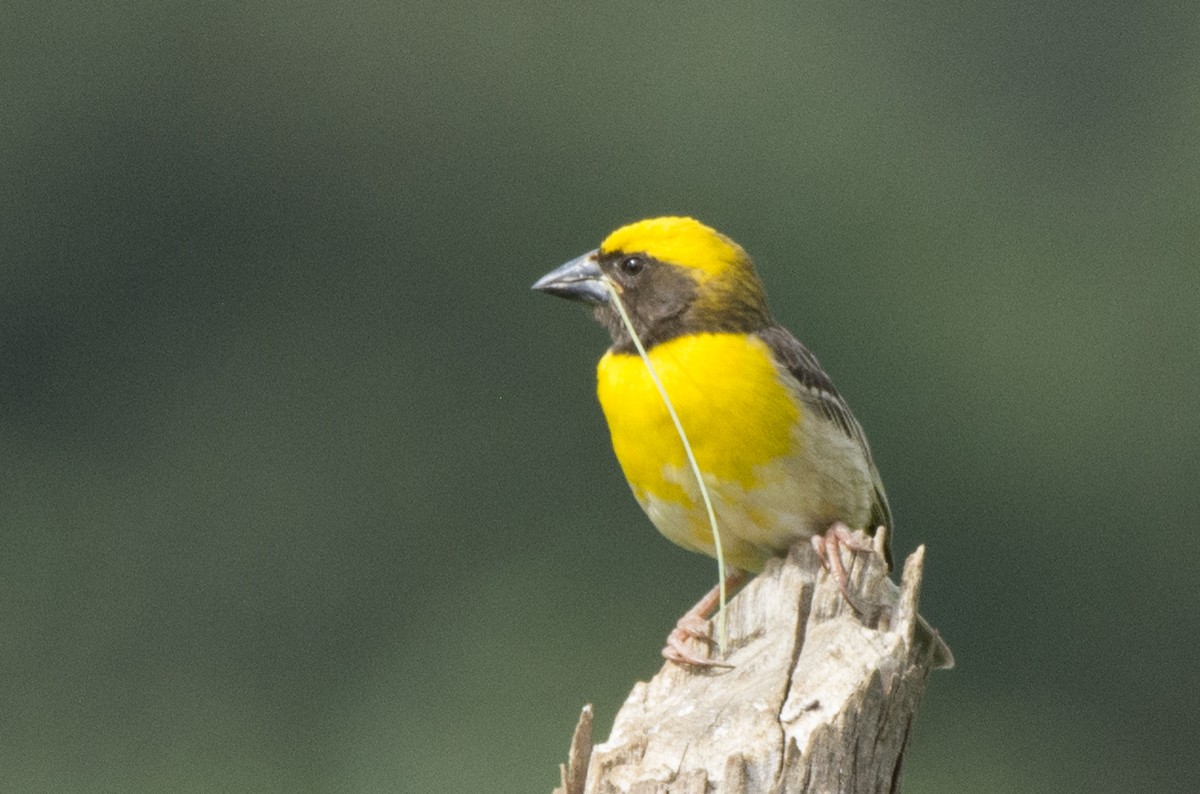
{"x": 304, "y": 490}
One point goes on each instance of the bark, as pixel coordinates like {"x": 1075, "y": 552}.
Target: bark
{"x": 821, "y": 695}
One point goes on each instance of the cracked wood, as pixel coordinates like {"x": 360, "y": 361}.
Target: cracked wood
{"x": 821, "y": 696}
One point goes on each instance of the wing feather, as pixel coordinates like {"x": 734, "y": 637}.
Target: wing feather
{"x": 816, "y": 386}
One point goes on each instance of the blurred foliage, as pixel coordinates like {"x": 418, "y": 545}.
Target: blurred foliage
{"x": 305, "y": 491}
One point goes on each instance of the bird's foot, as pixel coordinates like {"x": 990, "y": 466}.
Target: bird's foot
{"x": 677, "y": 650}
{"x": 695, "y": 625}
{"x": 829, "y": 548}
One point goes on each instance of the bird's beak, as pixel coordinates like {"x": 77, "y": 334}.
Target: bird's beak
{"x": 580, "y": 280}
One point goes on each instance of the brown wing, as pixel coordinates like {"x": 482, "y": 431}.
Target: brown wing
{"x": 804, "y": 367}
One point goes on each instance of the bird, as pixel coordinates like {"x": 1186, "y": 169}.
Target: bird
{"x": 782, "y": 456}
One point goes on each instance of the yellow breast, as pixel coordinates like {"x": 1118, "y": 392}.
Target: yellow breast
{"x": 736, "y": 413}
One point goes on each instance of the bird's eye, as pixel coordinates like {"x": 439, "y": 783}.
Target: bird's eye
{"x": 632, "y": 265}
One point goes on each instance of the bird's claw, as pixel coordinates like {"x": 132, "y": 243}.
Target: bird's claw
{"x": 677, "y": 649}
{"x": 829, "y": 548}
{"x": 695, "y": 625}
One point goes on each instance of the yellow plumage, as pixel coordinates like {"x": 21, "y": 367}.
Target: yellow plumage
{"x": 684, "y": 242}
{"x": 737, "y": 428}
{"x": 781, "y": 455}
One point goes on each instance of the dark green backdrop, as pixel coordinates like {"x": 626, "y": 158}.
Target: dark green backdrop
{"x": 304, "y": 490}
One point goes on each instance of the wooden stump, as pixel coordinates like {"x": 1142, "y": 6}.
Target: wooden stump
{"x": 821, "y": 697}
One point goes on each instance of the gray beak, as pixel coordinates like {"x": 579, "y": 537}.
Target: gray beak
{"x": 580, "y": 280}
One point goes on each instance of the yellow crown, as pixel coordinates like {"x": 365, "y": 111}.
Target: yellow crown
{"x": 680, "y": 241}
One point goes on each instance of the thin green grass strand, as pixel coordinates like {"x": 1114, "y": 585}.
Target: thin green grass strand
{"x": 687, "y": 448}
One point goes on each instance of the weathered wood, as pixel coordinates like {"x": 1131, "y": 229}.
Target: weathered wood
{"x": 573, "y": 774}
{"x": 821, "y": 696}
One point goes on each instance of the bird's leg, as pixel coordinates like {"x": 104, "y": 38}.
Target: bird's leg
{"x": 694, "y": 624}
{"x": 829, "y": 549}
